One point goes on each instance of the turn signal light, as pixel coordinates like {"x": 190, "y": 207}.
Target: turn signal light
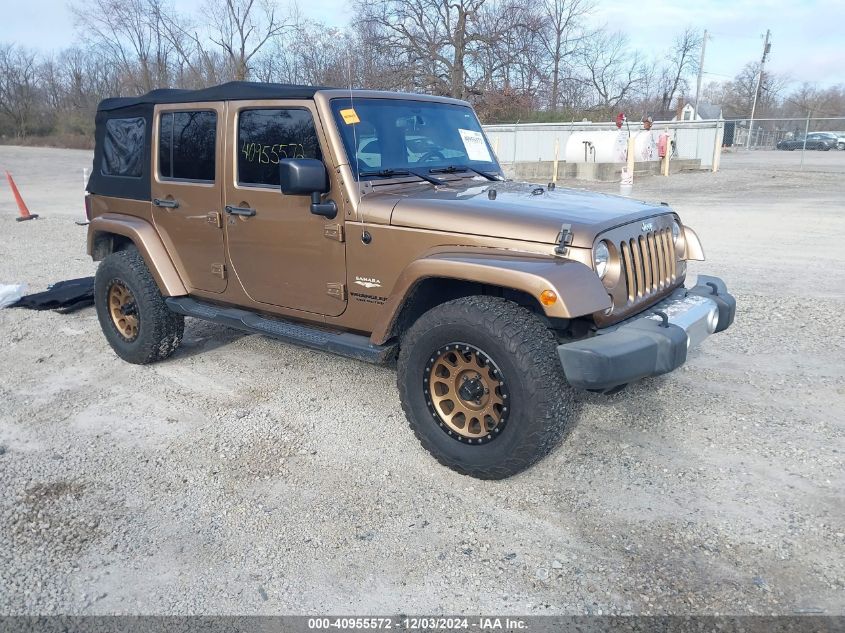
{"x": 548, "y": 297}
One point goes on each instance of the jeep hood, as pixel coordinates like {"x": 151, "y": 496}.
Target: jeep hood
{"x": 519, "y": 211}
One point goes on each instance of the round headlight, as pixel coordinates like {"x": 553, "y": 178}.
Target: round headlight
{"x": 676, "y": 231}
{"x": 601, "y": 257}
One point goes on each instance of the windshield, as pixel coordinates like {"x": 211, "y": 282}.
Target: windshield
{"x": 395, "y": 135}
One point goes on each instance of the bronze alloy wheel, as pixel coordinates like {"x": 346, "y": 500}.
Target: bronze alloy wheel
{"x": 466, "y": 393}
{"x": 123, "y": 310}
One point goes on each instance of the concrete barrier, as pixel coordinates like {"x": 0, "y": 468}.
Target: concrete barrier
{"x": 541, "y": 171}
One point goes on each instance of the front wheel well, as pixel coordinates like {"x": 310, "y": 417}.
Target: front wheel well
{"x": 433, "y": 291}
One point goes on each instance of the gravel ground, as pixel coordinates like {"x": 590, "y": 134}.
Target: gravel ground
{"x": 245, "y": 476}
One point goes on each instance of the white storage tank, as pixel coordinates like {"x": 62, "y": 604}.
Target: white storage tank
{"x": 597, "y": 147}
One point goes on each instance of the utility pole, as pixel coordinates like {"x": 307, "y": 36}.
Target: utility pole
{"x": 766, "y": 48}
{"x": 700, "y": 72}
{"x": 698, "y": 93}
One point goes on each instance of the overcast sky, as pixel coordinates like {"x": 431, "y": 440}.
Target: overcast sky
{"x": 807, "y": 35}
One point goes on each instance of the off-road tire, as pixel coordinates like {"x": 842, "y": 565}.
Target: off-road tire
{"x": 159, "y": 329}
{"x": 524, "y": 350}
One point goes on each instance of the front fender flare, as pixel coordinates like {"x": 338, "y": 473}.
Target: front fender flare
{"x": 579, "y": 290}
{"x": 149, "y": 244}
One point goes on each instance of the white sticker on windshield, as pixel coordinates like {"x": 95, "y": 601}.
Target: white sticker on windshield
{"x": 475, "y": 145}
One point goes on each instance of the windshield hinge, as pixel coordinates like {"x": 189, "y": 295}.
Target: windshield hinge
{"x": 333, "y": 232}
{"x": 564, "y": 239}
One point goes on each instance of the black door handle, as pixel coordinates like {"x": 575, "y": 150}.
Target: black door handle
{"x": 166, "y": 204}
{"x": 244, "y": 211}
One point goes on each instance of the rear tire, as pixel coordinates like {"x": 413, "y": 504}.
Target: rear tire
{"x": 514, "y": 355}
{"x": 135, "y": 319}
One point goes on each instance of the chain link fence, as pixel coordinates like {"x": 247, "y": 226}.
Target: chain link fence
{"x": 814, "y": 134}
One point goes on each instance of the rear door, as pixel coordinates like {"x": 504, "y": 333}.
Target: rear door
{"x": 188, "y": 151}
{"x": 283, "y": 255}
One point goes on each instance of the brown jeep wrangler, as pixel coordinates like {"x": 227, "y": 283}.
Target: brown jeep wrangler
{"x": 380, "y": 226}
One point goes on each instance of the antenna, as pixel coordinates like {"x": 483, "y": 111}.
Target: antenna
{"x": 354, "y": 136}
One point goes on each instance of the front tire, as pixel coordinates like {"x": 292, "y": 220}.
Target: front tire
{"x": 482, "y": 387}
{"x": 135, "y": 319}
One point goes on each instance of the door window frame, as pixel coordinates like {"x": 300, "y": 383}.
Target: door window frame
{"x": 219, "y": 109}
{"x": 236, "y": 107}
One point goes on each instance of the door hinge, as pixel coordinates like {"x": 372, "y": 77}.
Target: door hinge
{"x": 336, "y": 290}
{"x": 215, "y": 218}
{"x": 219, "y": 270}
{"x": 333, "y": 232}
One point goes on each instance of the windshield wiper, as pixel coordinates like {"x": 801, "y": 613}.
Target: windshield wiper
{"x": 386, "y": 173}
{"x": 453, "y": 169}
{"x": 389, "y": 173}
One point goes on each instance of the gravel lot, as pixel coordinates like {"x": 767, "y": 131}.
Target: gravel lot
{"x": 247, "y": 476}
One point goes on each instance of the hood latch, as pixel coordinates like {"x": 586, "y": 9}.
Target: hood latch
{"x": 564, "y": 239}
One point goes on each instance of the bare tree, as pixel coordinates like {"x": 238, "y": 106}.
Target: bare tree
{"x": 508, "y": 60}
{"x": 561, "y": 36}
{"x": 681, "y": 61}
{"x": 18, "y": 88}
{"x": 131, "y": 35}
{"x": 241, "y": 28}
{"x": 613, "y": 71}
{"x": 437, "y": 38}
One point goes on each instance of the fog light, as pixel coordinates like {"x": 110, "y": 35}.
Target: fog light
{"x": 713, "y": 320}
{"x": 548, "y": 297}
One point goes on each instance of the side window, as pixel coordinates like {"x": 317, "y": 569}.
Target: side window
{"x": 123, "y": 147}
{"x": 267, "y": 135}
{"x": 186, "y": 145}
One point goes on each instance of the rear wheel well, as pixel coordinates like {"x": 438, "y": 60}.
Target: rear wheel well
{"x": 107, "y": 243}
{"x": 433, "y": 291}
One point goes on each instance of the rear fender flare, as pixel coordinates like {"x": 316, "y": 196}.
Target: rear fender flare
{"x": 149, "y": 244}
{"x": 578, "y": 288}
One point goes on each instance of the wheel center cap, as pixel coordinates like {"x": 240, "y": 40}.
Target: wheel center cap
{"x": 471, "y": 389}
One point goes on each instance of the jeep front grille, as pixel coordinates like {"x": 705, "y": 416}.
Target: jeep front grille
{"x": 649, "y": 264}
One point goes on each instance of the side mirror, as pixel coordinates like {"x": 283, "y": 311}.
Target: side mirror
{"x": 307, "y": 176}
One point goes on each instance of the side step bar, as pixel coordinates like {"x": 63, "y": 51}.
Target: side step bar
{"x": 342, "y": 343}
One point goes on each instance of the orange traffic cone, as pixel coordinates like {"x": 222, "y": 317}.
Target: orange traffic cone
{"x": 25, "y": 214}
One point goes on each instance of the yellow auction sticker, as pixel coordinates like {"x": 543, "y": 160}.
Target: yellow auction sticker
{"x": 350, "y": 116}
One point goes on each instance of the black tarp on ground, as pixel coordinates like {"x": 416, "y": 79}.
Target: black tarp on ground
{"x": 63, "y": 296}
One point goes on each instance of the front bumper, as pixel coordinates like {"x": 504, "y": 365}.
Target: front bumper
{"x": 651, "y": 343}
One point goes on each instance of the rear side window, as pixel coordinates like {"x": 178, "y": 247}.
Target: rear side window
{"x": 265, "y": 136}
{"x": 186, "y": 145}
{"x": 123, "y": 147}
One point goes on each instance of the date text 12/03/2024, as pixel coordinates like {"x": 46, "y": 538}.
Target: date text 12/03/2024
{"x": 419, "y": 623}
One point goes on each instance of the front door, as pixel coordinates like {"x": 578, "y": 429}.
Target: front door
{"x": 187, "y": 192}
{"x": 282, "y": 254}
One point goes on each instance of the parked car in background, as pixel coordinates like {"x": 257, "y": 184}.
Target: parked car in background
{"x": 817, "y": 140}
{"x": 840, "y": 139}
{"x": 837, "y": 139}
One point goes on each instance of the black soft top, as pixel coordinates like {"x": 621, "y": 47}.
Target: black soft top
{"x": 232, "y": 91}
{"x": 123, "y": 131}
